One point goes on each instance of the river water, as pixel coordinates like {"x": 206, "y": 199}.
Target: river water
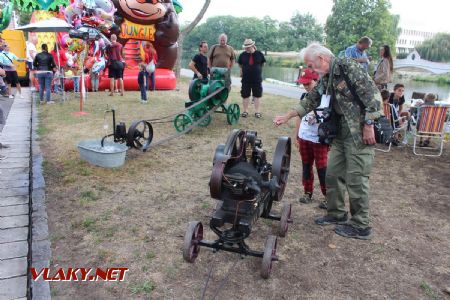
{"x": 290, "y": 75}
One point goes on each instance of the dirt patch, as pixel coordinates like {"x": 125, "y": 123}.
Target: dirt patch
{"x": 136, "y": 216}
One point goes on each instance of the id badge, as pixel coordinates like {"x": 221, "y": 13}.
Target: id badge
{"x": 325, "y": 101}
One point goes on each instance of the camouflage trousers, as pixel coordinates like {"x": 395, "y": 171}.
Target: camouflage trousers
{"x": 348, "y": 169}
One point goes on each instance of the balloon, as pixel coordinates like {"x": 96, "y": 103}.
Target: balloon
{"x": 45, "y": 4}
{"x": 101, "y": 43}
{"x": 64, "y": 39}
{"x": 99, "y": 65}
{"x": 89, "y": 62}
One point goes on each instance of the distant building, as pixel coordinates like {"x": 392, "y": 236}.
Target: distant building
{"x": 409, "y": 39}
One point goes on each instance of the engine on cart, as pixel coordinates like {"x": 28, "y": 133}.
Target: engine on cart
{"x": 204, "y": 96}
{"x": 246, "y": 185}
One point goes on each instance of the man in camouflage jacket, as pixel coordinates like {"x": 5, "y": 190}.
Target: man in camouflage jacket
{"x": 351, "y": 156}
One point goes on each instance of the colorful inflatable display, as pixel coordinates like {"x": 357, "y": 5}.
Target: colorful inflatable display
{"x": 135, "y": 22}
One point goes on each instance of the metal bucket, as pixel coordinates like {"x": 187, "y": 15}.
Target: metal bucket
{"x": 111, "y": 155}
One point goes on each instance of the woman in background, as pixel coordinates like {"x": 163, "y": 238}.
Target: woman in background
{"x": 385, "y": 68}
{"x": 151, "y": 57}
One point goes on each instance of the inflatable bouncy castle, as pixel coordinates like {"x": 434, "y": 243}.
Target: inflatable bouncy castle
{"x": 138, "y": 24}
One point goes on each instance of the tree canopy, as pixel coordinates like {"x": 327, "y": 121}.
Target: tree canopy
{"x": 269, "y": 34}
{"x": 436, "y": 48}
{"x": 352, "y": 19}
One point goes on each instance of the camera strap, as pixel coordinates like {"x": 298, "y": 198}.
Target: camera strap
{"x": 352, "y": 89}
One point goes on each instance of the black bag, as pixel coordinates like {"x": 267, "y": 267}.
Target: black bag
{"x": 383, "y": 131}
{"x": 328, "y": 127}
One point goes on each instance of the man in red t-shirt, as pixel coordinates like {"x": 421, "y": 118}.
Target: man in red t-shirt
{"x": 115, "y": 64}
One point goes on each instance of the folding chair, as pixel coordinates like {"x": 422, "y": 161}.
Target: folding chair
{"x": 398, "y": 125}
{"x": 417, "y": 95}
{"x": 430, "y": 127}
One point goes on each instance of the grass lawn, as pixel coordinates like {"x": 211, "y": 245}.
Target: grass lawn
{"x": 136, "y": 216}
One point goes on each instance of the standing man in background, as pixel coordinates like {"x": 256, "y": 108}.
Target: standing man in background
{"x": 199, "y": 63}
{"x": 115, "y": 64}
{"x": 358, "y": 54}
{"x": 222, "y": 56}
{"x": 31, "y": 52}
{"x": 251, "y": 63}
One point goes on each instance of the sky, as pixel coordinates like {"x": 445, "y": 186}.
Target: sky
{"x": 429, "y": 15}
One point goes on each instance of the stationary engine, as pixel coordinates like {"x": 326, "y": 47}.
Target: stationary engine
{"x": 246, "y": 184}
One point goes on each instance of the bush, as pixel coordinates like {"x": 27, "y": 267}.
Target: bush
{"x": 441, "y": 79}
{"x": 402, "y": 55}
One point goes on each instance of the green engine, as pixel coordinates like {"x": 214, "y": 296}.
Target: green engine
{"x": 199, "y": 89}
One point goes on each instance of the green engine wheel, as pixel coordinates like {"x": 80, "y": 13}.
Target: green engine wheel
{"x": 221, "y": 97}
{"x": 233, "y": 113}
{"x": 195, "y": 88}
{"x": 200, "y": 113}
{"x": 182, "y": 121}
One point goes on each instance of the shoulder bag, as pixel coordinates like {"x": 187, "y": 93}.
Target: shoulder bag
{"x": 382, "y": 126}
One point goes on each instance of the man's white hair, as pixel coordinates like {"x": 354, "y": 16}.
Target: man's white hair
{"x": 223, "y": 35}
{"x": 314, "y": 50}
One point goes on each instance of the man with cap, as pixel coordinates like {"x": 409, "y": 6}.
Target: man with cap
{"x": 307, "y": 142}
{"x": 251, "y": 62}
{"x": 222, "y": 56}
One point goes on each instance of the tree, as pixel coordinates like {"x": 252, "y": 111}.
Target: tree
{"x": 300, "y": 31}
{"x": 185, "y": 32}
{"x": 269, "y": 34}
{"x": 436, "y": 48}
{"x": 269, "y": 39}
{"x": 352, "y": 19}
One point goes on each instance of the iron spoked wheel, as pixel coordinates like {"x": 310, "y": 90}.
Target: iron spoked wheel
{"x": 140, "y": 135}
{"x": 235, "y": 143}
{"x": 281, "y": 163}
{"x": 206, "y": 121}
{"x": 182, "y": 121}
{"x": 222, "y": 96}
{"x": 218, "y": 152}
{"x": 194, "y": 89}
{"x": 191, "y": 247}
{"x": 233, "y": 113}
{"x": 285, "y": 220}
{"x": 215, "y": 182}
{"x": 269, "y": 256}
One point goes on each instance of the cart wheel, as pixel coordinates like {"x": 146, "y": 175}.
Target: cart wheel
{"x": 207, "y": 120}
{"x": 280, "y": 164}
{"x": 194, "y": 234}
{"x": 270, "y": 250}
{"x": 233, "y": 113}
{"x": 285, "y": 220}
{"x": 140, "y": 135}
{"x": 194, "y": 89}
{"x": 182, "y": 121}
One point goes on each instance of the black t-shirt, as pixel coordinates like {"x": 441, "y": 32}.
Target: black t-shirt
{"x": 396, "y": 103}
{"x": 251, "y": 73}
{"x": 201, "y": 64}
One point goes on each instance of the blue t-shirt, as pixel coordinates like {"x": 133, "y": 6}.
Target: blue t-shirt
{"x": 6, "y": 60}
{"x": 354, "y": 52}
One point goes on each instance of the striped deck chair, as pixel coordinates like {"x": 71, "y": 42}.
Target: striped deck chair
{"x": 398, "y": 126}
{"x": 430, "y": 127}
